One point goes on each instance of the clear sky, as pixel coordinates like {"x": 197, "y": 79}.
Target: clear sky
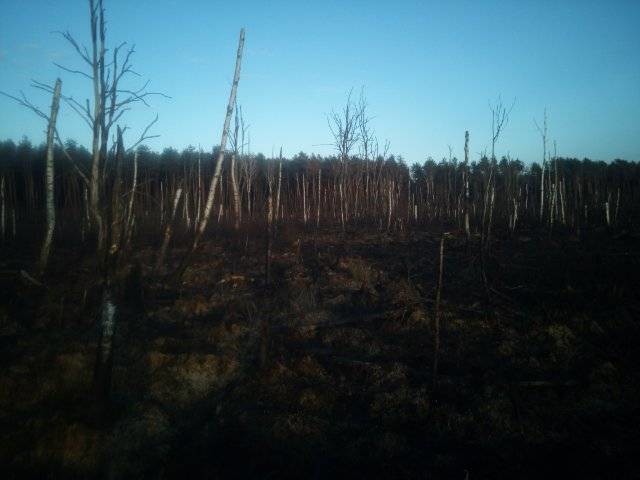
{"x": 429, "y": 70}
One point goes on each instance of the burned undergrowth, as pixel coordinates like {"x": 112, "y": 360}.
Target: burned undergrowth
{"x": 327, "y": 370}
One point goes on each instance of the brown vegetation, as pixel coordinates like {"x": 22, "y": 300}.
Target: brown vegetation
{"x": 312, "y": 317}
{"x": 328, "y": 370}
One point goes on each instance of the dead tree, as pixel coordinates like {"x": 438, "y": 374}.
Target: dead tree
{"x": 110, "y": 102}
{"x": 109, "y": 309}
{"x": 543, "y": 134}
{"x": 279, "y": 188}
{"x": 237, "y": 210}
{"x": 270, "y": 174}
{"x": 223, "y": 143}
{"x": 199, "y": 188}
{"x": 50, "y": 178}
{"x": 168, "y": 231}
{"x": 130, "y": 216}
{"x": 499, "y": 119}
{"x": 206, "y": 214}
{"x": 467, "y": 201}
{"x": 49, "y": 168}
{"x": 344, "y": 129}
{"x": 367, "y": 141}
{"x": 319, "y": 200}
{"x": 248, "y": 170}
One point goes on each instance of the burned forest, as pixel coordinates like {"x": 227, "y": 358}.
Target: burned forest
{"x": 222, "y": 313}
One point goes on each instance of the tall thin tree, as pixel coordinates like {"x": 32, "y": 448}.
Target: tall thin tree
{"x": 50, "y": 178}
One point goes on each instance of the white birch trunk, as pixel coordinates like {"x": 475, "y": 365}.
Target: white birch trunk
{"x": 104, "y": 360}
{"x": 467, "y": 226}
{"x": 199, "y": 192}
{"x": 319, "y": 197}
{"x": 236, "y": 193}
{"x": 132, "y": 196}
{"x": 279, "y": 185}
{"x": 223, "y": 143}
{"x": 304, "y": 199}
{"x": 49, "y": 179}
{"x": 168, "y": 231}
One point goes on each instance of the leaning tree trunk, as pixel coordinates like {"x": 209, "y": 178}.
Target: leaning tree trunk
{"x": 279, "y": 186}
{"x": 204, "y": 220}
{"x": 168, "y": 229}
{"x": 223, "y": 143}
{"x": 130, "y": 217}
{"x": 50, "y": 178}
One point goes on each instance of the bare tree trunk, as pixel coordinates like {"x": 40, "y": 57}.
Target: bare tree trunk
{"x": 267, "y": 272}
{"x": 485, "y": 209}
{"x": 556, "y": 183}
{"x": 342, "y": 201}
{"x": 304, "y": 198}
{"x": 116, "y": 212}
{"x": 97, "y": 59}
{"x": 113, "y": 223}
{"x": 319, "y": 196}
{"x": 490, "y": 220}
{"x": 561, "y": 191}
{"x": 161, "y": 203}
{"x": 87, "y": 209}
{"x": 223, "y": 143}
{"x": 467, "y": 205}
{"x": 389, "y": 203}
{"x": 199, "y": 191}
{"x": 185, "y": 212}
{"x": 104, "y": 360}
{"x": 542, "y": 191}
{"x": 132, "y": 195}
{"x": 543, "y": 134}
{"x": 279, "y": 186}
{"x": 221, "y": 205}
{"x": 236, "y": 193}
{"x": 168, "y": 231}
{"x": 50, "y": 179}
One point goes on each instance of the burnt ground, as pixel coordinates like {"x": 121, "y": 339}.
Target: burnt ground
{"x": 327, "y": 371}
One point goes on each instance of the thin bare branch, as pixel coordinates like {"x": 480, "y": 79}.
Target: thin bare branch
{"x": 144, "y": 135}
{"x": 83, "y": 52}
{"x": 23, "y": 101}
{"x": 78, "y": 72}
{"x": 84, "y": 177}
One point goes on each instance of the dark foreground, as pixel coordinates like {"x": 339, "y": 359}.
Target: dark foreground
{"x": 328, "y": 371}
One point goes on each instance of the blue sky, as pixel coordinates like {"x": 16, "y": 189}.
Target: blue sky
{"x": 429, "y": 70}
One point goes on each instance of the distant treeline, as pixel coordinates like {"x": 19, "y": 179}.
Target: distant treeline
{"x": 317, "y": 190}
